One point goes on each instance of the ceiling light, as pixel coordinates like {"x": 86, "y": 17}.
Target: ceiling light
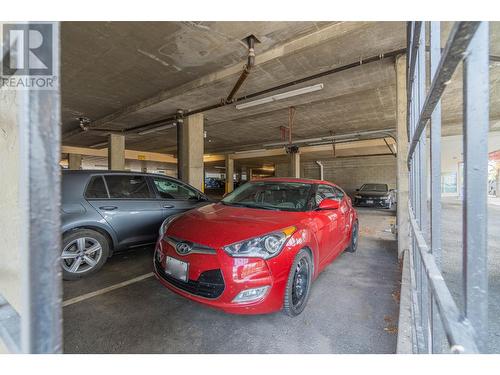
{"x": 331, "y": 142}
{"x": 100, "y": 144}
{"x": 285, "y": 95}
{"x": 158, "y": 128}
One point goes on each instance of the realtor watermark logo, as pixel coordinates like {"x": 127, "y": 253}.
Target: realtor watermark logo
{"x": 28, "y": 56}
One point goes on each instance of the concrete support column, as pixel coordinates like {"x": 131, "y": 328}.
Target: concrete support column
{"x": 403, "y": 222}
{"x": 249, "y": 174}
{"x": 191, "y": 148}
{"x": 243, "y": 171}
{"x": 74, "y": 161}
{"x": 295, "y": 165}
{"x": 116, "y": 152}
{"x": 498, "y": 183}
{"x": 229, "y": 174}
{"x": 144, "y": 166}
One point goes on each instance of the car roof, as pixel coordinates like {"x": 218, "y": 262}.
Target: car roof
{"x": 294, "y": 179}
{"x": 106, "y": 171}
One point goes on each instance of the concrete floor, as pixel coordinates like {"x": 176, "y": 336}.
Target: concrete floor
{"x": 353, "y": 308}
{"x": 452, "y": 261}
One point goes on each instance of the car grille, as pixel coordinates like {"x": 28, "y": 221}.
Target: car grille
{"x": 375, "y": 201}
{"x": 210, "y": 284}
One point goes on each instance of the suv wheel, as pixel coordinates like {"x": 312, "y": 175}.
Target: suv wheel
{"x": 84, "y": 251}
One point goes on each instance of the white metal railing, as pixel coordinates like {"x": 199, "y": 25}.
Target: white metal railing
{"x": 435, "y": 315}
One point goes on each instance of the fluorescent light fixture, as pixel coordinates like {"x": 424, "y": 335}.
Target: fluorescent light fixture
{"x": 158, "y": 128}
{"x": 100, "y": 144}
{"x": 285, "y": 95}
{"x": 331, "y": 142}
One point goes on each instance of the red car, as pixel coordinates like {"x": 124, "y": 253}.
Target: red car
{"x": 259, "y": 249}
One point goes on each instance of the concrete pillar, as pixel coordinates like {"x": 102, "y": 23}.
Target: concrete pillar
{"x": 403, "y": 221}
{"x": 295, "y": 165}
{"x": 229, "y": 174}
{"x": 191, "y": 148}
{"x": 498, "y": 182}
{"x": 244, "y": 171}
{"x": 74, "y": 161}
{"x": 144, "y": 166}
{"x": 116, "y": 152}
{"x": 249, "y": 174}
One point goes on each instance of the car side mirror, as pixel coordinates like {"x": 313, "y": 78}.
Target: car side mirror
{"x": 329, "y": 204}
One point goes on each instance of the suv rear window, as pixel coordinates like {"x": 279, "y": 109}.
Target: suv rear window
{"x": 96, "y": 188}
{"x": 128, "y": 186}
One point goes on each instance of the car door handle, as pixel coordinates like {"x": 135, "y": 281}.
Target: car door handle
{"x": 108, "y": 208}
{"x": 169, "y": 206}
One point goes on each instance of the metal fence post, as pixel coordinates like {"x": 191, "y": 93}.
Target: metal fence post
{"x": 476, "y": 125}
{"x": 41, "y": 317}
{"x": 435, "y": 149}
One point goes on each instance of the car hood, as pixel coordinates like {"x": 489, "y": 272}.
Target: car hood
{"x": 372, "y": 193}
{"x": 218, "y": 225}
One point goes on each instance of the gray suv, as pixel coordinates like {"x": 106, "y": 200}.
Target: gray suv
{"x": 107, "y": 211}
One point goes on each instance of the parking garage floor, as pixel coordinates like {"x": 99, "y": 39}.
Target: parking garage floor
{"x": 353, "y": 308}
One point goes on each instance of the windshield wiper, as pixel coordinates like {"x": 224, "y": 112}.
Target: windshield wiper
{"x": 252, "y": 206}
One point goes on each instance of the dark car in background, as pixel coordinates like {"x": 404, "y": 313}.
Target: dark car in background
{"x": 106, "y": 211}
{"x": 374, "y": 195}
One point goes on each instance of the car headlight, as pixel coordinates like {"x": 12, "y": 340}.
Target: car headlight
{"x": 166, "y": 223}
{"x": 358, "y": 196}
{"x": 265, "y": 246}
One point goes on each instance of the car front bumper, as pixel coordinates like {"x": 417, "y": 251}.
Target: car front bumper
{"x": 371, "y": 202}
{"x": 216, "y": 279}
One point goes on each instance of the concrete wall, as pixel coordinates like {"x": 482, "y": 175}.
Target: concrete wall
{"x": 350, "y": 173}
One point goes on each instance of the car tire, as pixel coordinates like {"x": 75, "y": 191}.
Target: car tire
{"x": 88, "y": 248}
{"x": 298, "y": 285}
{"x": 353, "y": 243}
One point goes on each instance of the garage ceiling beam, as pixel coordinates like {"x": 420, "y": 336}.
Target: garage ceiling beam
{"x": 209, "y": 158}
{"x": 327, "y": 147}
{"x": 222, "y": 103}
{"x": 133, "y": 154}
{"x": 304, "y": 42}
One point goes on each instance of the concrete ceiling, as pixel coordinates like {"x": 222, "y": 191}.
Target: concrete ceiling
{"x": 125, "y": 74}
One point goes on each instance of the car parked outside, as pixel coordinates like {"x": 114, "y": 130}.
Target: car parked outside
{"x": 259, "y": 249}
{"x": 106, "y": 211}
{"x": 374, "y": 195}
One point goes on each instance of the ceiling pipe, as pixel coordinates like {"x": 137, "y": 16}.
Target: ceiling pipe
{"x": 328, "y": 139}
{"x": 222, "y": 103}
{"x": 321, "y": 168}
{"x": 246, "y": 69}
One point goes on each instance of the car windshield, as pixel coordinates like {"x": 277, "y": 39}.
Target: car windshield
{"x": 374, "y": 187}
{"x": 281, "y": 196}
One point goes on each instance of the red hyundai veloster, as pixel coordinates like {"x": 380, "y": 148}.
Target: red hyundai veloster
{"x": 259, "y": 249}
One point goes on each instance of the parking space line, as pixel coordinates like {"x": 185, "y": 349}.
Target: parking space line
{"x": 83, "y": 297}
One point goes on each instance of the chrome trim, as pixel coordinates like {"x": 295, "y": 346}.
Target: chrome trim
{"x": 195, "y": 247}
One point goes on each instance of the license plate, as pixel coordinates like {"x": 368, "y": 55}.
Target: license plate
{"x": 369, "y": 201}
{"x": 176, "y": 268}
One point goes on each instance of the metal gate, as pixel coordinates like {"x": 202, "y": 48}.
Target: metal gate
{"x": 435, "y": 314}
